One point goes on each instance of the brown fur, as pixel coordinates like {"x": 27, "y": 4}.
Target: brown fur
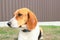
{"x": 31, "y": 21}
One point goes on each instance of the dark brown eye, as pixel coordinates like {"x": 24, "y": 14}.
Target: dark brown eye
{"x": 19, "y": 14}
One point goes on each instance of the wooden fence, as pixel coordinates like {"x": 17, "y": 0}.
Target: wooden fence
{"x": 45, "y": 10}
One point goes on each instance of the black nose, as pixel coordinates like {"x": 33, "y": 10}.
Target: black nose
{"x": 9, "y": 23}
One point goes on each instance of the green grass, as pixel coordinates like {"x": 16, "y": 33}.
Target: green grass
{"x": 7, "y": 33}
{"x": 50, "y": 33}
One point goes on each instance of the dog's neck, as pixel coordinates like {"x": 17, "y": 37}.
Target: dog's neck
{"x": 32, "y": 34}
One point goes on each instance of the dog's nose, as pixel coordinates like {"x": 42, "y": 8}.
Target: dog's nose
{"x": 9, "y": 23}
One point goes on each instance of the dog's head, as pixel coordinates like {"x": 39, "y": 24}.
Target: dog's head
{"x": 23, "y": 18}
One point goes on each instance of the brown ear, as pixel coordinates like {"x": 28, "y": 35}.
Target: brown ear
{"x": 32, "y": 20}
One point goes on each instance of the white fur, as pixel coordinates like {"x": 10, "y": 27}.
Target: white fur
{"x": 23, "y": 27}
{"x": 14, "y": 23}
{"x": 33, "y": 35}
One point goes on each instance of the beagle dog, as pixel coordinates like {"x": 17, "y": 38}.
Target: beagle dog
{"x": 26, "y": 20}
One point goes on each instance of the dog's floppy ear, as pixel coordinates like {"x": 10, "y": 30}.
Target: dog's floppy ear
{"x": 32, "y": 20}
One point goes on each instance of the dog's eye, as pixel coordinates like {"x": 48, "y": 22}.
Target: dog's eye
{"x": 19, "y": 14}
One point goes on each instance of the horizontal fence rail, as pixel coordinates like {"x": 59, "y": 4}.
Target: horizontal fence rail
{"x": 53, "y": 23}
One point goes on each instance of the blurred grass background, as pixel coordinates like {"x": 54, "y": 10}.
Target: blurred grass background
{"x": 50, "y": 33}
{"x": 7, "y": 33}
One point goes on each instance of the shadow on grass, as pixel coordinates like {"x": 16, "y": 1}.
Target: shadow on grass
{"x": 15, "y": 38}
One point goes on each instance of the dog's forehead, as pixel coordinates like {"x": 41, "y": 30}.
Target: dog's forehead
{"x": 21, "y": 11}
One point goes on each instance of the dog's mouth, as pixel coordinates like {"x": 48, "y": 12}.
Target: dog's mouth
{"x": 24, "y": 28}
